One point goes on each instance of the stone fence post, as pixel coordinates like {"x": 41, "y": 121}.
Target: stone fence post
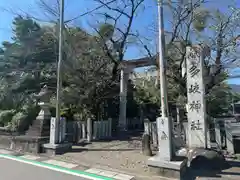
{"x": 84, "y": 129}
{"x": 89, "y": 129}
{"x": 110, "y": 127}
{"x": 147, "y": 126}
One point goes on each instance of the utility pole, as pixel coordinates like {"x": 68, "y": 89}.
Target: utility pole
{"x": 162, "y": 62}
{"x": 60, "y": 54}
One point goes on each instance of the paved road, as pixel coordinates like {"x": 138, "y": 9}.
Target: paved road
{"x": 13, "y": 170}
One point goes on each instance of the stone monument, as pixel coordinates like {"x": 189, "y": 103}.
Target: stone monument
{"x": 199, "y": 152}
{"x": 54, "y": 135}
{"x": 57, "y": 144}
{"x": 197, "y": 129}
{"x": 38, "y": 133}
{"x": 165, "y": 163}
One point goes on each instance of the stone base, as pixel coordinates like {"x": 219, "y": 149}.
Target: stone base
{"x": 28, "y": 144}
{"x": 54, "y": 149}
{"x": 171, "y": 169}
{"x": 5, "y": 141}
{"x": 236, "y": 145}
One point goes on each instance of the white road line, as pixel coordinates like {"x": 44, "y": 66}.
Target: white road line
{"x": 111, "y": 174}
{"x": 3, "y": 151}
{"x": 31, "y": 157}
{"x": 93, "y": 170}
{"x": 60, "y": 163}
{"x": 51, "y": 168}
{"x": 102, "y": 172}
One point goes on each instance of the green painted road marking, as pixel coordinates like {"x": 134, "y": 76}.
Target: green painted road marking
{"x": 56, "y": 168}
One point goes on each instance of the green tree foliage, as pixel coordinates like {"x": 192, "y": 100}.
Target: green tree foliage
{"x": 26, "y": 64}
{"x": 88, "y": 73}
{"x": 30, "y": 60}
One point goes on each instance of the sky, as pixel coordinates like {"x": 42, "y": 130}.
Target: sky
{"x": 144, "y": 21}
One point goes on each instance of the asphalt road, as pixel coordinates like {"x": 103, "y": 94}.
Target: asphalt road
{"x": 14, "y": 170}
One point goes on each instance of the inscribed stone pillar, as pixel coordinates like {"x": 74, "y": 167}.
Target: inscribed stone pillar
{"x": 54, "y": 131}
{"x": 197, "y": 131}
{"x": 164, "y": 138}
{"x": 123, "y": 100}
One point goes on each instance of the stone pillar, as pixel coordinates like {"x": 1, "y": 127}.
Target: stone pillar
{"x": 89, "y": 130}
{"x": 123, "y": 100}
{"x": 154, "y": 134}
{"x": 146, "y": 126}
{"x": 84, "y": 130}
{"x": 110, "y": 127}
{"x": 54, "y": 131}
{"x": 197, "y": 129}
{"x": 165, "y": 145}
{"x": 229, "y": 138}
{"x": 57, "y": 137}
{"x": 178, "y": 114}
{"x": 186, "y": 134}
{"x": 62, "y": 129}
{"x": 218, "y": 134}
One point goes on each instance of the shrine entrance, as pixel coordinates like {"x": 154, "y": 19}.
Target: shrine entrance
{"x": 127, "y": 67}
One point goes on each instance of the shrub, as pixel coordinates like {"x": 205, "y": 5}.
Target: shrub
{"x": 18, "y": 122}
{"x": 31, "y": 111}
{"x": 6, "y": 116}
{"x": 22, "y": 120}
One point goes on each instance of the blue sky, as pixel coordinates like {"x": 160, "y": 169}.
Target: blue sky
{"x": 143, "y": 22}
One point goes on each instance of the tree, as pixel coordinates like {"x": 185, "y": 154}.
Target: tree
{"x": 87, "y": 72}
{"x": 190, "y": 22}
{"x": 112, "y": 38}
{"x": 26, "y": 64}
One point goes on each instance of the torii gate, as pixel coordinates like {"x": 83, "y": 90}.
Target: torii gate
{"x": 127, "y": 67}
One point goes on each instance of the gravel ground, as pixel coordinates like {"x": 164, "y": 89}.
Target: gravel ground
{"x": 125, "y": 156}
